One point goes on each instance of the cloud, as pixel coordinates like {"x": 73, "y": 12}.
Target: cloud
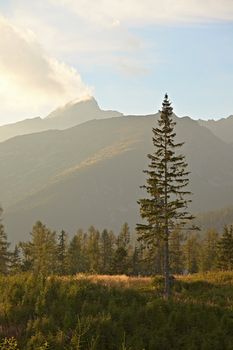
{"x": 87, "y": 44}
{"x": 99, "y": 37}
{"x": 112, "y": 12}
{"x": 131, "y": 67}
{"x": 29, "y": 77}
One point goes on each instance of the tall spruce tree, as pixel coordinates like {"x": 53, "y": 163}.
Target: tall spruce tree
{"x": 166, "y": 206}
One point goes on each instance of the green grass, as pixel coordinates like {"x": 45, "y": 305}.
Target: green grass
{"x": 117, "y": 312}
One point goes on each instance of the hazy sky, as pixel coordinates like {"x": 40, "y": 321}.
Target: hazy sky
{"x": 127, "y": 53}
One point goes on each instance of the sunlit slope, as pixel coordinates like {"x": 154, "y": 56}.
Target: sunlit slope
{"x": 91, "y": 173}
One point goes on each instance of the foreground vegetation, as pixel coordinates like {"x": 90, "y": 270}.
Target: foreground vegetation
{"x": 116, "y": 312}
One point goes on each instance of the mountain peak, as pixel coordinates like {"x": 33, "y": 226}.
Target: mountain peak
{"x": 87, "y": 105}
{"x": 76, "y": 112}
{"x": 88, "y": 100}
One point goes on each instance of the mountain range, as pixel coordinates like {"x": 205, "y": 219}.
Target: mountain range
{"x": 222, "y": 128}
{"x": 90, "y": 171}
{"x": 73, "y": 113}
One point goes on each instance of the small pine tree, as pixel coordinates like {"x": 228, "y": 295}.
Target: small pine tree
{"x": 4, "y": 246}
{"x": 76, "y": 262}
{"x": 43, "y": 249}
{"x": 27, "y": 258}
{"x": 120, "y": 261}
{"x": 140, "y": 264}
{"x": 93, "y": 249}
{"x": 191, "y": 253}
{"x": 225, "y": 249}
{"x": 209, "y": 251}
{"x": 62, "y": 253}
{"x": 15, "y": 265}
{"x": 123, "y": 239}
{"x": 107, "y": 240}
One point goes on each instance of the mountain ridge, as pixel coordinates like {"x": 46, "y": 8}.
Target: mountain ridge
{"x": 77, "y": 112}
{"x": 91, "y": 173}
{"x": 222, "y": 128}
{"x": 71, "y": 114}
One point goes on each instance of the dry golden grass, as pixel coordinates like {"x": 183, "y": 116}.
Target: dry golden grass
{"x": 113, "y": 280}
{"x": 202, "y": 287}
{"x": 213, "y": 277}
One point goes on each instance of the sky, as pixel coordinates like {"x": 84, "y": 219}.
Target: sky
{"x": 125, "y": 53}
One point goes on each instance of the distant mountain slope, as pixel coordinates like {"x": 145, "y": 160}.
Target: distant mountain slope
{"x": 73, "y": 113}
{"x": 91, "y": 173}
{"x": 77, "y": 112}
{"x": 23, "y": 127}
{"x": 216, "y": 219}
{"x": 223, "y": 128}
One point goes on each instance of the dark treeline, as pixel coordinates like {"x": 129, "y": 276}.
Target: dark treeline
{"x": 105, "y": 252}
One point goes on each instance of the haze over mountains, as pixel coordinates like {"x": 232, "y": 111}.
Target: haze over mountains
{"x": 73, "y": 113}
{"x": 90, "y": 173}
{"x": 223, "y": 128}
{"x": 77, "y": 112}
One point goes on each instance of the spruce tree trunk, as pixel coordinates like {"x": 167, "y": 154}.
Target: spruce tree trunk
{"x": 166, "y": 230}
{"x": 167, "y": 290}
